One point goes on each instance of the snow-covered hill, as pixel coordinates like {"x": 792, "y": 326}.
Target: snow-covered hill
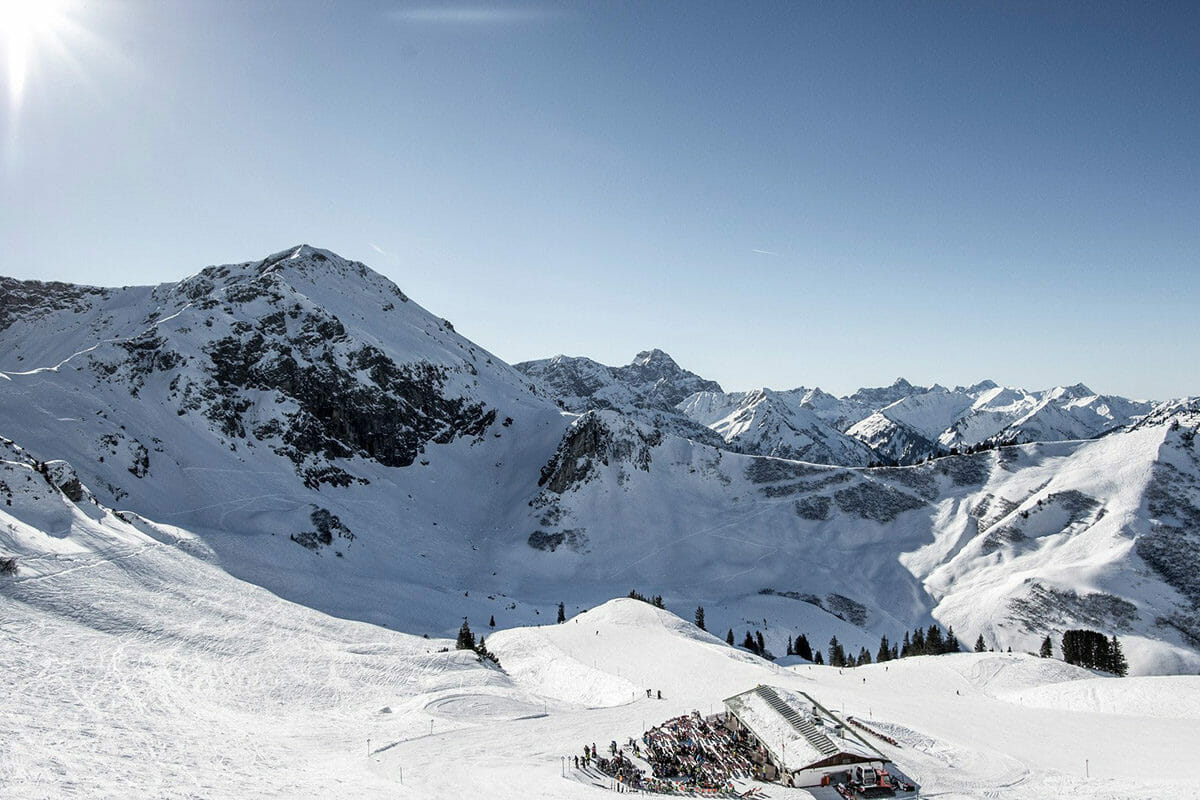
{"x": 136, "y": 667}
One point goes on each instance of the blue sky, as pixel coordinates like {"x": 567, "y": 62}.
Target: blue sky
{"x": 777, "y": 194}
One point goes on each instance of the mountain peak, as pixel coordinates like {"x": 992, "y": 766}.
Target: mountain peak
{"x": 299, "y": 254}
{"x": 653, "y": 357}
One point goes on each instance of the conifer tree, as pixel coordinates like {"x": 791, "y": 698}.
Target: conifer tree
{"x": 562, "y": 613}
{"x": 1117, "y": 663}
{"x": 492, "y": 621}
{"x": 885, "y": 650}
{"x": 1047, "y": 648}
{"x": 762, "y": 646}
{"x": 918, "y": 642}
{"x": 466, "y": 639}
{"x": 803, "y": 648}
{"x": 791, "y": 650}
{"x": 951, "y": 645}
{"x": 749, "y": 643}
{"x": 934, "y": 645}
{"x": 906, "y": 648}
{"x": 729, "y": 638}
{"x": 817, "y": 659}
{"x": 837, "y": 655}
{"x": 980, "y": 646}
{"x": 700, "y": 618}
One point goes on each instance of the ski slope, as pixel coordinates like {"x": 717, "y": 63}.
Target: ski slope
{"x": 137, "y": 667}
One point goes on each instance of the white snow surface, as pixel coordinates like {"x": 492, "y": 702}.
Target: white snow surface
{"x": 137, "y": 667}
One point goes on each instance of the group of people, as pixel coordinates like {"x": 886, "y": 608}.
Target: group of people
{"x": 696, "y": 753}
{"x": 618, "y": 766}
{"x": 685, "y": 753}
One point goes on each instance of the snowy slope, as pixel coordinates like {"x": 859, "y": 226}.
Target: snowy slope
{"x": 330, "y": 439}
{"x": 324, "y": 437}
{"x": 1012, "y": 543}
{"x": 138, "y": 668}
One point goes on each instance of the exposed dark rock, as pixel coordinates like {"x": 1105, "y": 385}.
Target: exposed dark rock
{"x": 574, "y": 538}
{"x": 32, "y": 300}
{"x": 62, "y": 475}
{"x": 589, "y": 442}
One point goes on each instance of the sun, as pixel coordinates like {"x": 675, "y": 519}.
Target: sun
{"x": 25, "y": 25}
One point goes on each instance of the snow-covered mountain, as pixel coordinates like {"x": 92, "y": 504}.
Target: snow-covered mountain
{"x": 901, "y": 423}
{"x": 779, "y": 424}
{"x": 313, "y": 431}
{"x": 651, "y": 380}
{"x": 647, "y": 389}
{"x": 1004, "y": 414}
{"x": 906, "y": 424}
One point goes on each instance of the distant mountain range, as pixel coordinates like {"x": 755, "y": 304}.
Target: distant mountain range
{"x": 891, "y": 425}
{"x": 304, "y": 424}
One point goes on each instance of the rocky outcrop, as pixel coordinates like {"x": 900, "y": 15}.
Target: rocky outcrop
{"x": 589, "y": 444}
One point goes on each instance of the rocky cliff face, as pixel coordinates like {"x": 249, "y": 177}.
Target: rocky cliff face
{"x": 647, "y": 389}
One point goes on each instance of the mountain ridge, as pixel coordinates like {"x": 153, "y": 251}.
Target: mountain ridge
{"x": 325, "y": 437}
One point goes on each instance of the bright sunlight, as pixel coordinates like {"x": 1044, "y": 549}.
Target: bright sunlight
{"x": 25, "y": 25}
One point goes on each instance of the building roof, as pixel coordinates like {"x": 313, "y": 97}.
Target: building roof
{"x": 797, "y": 730}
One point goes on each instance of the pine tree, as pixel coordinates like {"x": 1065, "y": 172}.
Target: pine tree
{"x": 466, "y": 639}
{"x": 1118, "y": 665}
{"x": 980, "y": 647}
{"x": 729, "y": 638}
{"x": 749, "y": 643}
{"x": 803, "y": 648}
{"x": 791, "y": 649}
{"x": 837, "y": 655}
{"x": 885, "y": 650}
{"x": 934, "y": 645}
{"x": 918, "y": 642}
{"x": 817, "y": 658}
{"x": 762, "y": 646}
{"x": 482, "y": 651}
{"x": 906, "y": 648}
{"x": 952, "y": 645}
{"x": 700, "y": 618}
{"x": 1047, "y": 648}
{"x": 562, "y": 613}
{"x": 492, "y": 621}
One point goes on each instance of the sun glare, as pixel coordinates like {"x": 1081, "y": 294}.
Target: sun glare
{"x": 24, "y": 25}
